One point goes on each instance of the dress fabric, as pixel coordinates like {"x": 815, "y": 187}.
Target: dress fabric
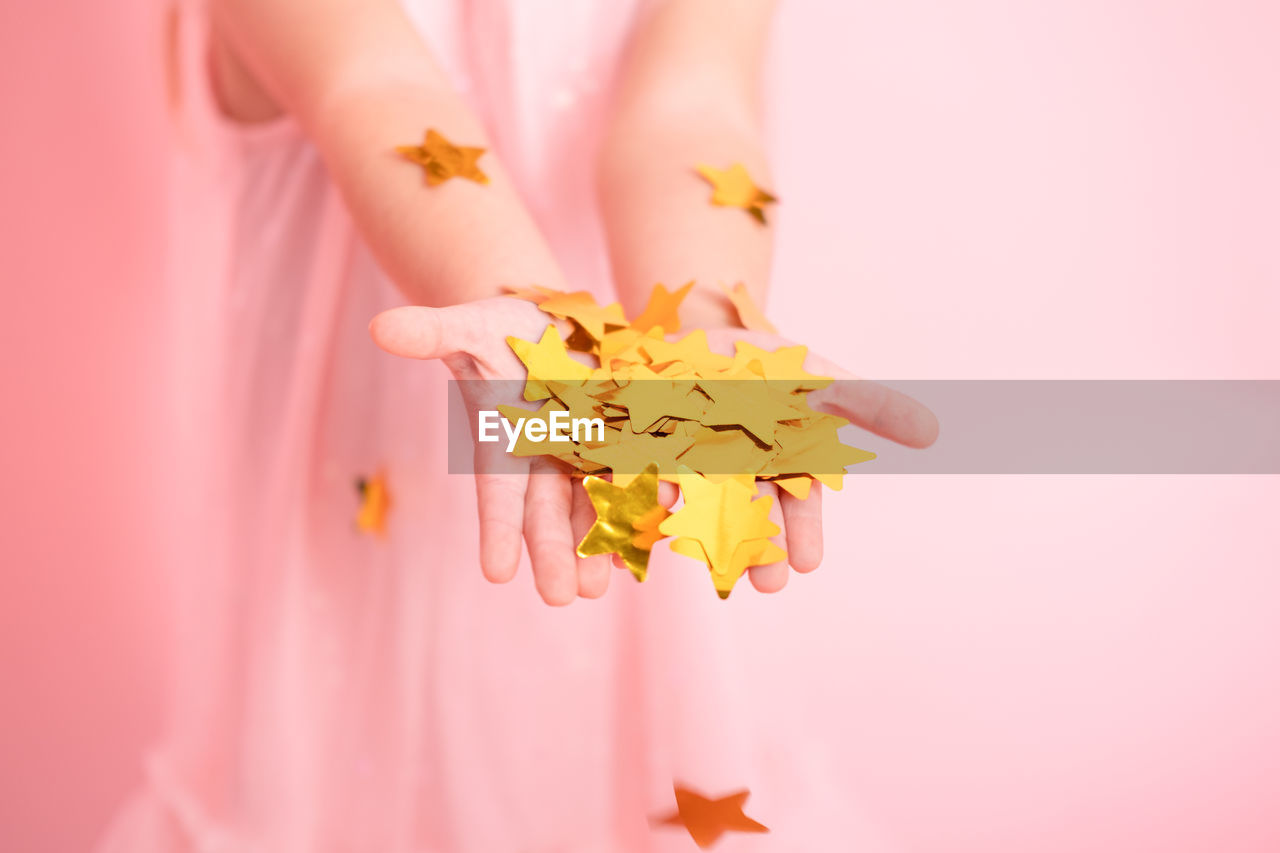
{"x": 336, "y": 691}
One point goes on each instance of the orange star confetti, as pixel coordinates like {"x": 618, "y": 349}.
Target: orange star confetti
{"x": 663, "y": 309}
{"x": 706, "y": 820}
{"x": 375, "y": 502}
{"x": 733, "y": 187}
{"x": 749, "y": 314}
{"x": 442, "y": 160}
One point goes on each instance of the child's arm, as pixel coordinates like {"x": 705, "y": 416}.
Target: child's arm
{"x": 361, "y": 82}
{"x": 689, "y": 94}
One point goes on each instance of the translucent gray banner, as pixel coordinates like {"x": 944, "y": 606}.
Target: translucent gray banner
{"x": 1091, "y": 427}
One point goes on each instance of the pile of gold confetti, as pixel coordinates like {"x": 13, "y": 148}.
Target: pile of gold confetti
{"x": 677, "y": 411}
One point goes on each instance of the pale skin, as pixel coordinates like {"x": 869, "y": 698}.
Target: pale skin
{"x": 360, "y": 81}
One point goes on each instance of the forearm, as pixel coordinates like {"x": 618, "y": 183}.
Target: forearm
{"x": 360, "y": 81}
{"x": 685, "y": 99}
{"x": 662, "y": 228}
{"x": 454, "y": 242}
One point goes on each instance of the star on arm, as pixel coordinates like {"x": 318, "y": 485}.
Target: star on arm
{"x": 733, "y": 187}
{"x": 442, "y": 160}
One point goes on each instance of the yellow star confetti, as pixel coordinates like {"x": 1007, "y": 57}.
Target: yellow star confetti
{"x": 674, "y": 410}
{"x": 733, "y": 187}
{"x": 749, "y": 314}
{"x": 663, "y": 309}
{"x": 706, "y": 820}
{"x": 581, "y": 308}
{"x": 547, "y": 359}
{"x": 721, "y": 517}
{"x": 627, "y": 520}
{"x": 442, "y": 160}
{"x": 375, "y": 502}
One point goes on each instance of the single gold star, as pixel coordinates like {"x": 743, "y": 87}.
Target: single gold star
{"x": 706, "y": 819}
{"x": 721, "y": 517}
{"x": 663, "y": 309}
{"x": 442, "y": 160}
{"x": 375, "y": 501}
{"x": 547, "y": 359}
{"x": 581, "y": 307}
{"x": 733, "y": 187}
{"x": 749, "y": 314}
{"x": 627, "y": 520}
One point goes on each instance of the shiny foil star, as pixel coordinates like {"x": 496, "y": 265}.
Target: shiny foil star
{"x": 627, "y": 520}
{"x": 442, "y": 160}
{"x": 721, "y": 517}
{"x": 749, "y": 314}
{"x": 662, "y": 310}
{"x": 706, "y": 819}
{"x": 375, "y": 501}
{"x": 547, "y": 360}
{"x": 733, "y": 187}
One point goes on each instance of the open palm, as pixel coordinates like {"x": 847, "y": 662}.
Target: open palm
{"x": 534, "y": 501}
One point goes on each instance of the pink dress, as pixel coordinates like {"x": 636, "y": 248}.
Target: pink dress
{"x": 337, "y": 691}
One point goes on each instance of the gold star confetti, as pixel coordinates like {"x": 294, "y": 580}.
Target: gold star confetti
{"x": 375, "y": 502}
{"x": 581, "y": 308}
{"x": 547, "y": 359}
{"x": 733, "y": 187}
{"x": 706, "y": 820}
{"x": 673, "y": 410}
{"x": 749, "y": 314}
{"x": 627, "y": 520}
{"x": 442, "y": 160}
{"x": 721, "y": 517}
{"x": 663, "y": 309}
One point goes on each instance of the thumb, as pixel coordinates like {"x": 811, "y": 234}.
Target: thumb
{"x": 416, "y": 331}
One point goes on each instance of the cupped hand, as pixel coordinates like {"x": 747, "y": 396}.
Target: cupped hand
{"x": 866, "y": 404}
{"x": 532, "y": 501}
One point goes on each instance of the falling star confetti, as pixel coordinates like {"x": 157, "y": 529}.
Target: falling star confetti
{"x": 706, "y": 819}
{"x": 375, "y": 503}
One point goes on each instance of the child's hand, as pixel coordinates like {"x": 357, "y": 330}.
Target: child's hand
{"x": 537, "y": 503}
{"x": 865, "y": 404}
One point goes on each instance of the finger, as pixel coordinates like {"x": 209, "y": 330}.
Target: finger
{"x": 416, "y": 331}
{"x": 879, "y": 409}
{"x": 804, "y": 528}
{"x": 593, "y": 572}
{"x": 773, "y": 576}
{"x": 547, "y": 506}
{"x": 668, "y": 493}
{"x": 500, "y": 501}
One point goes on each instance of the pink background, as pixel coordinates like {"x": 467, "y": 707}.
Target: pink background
{"x": 987, "y": 189}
